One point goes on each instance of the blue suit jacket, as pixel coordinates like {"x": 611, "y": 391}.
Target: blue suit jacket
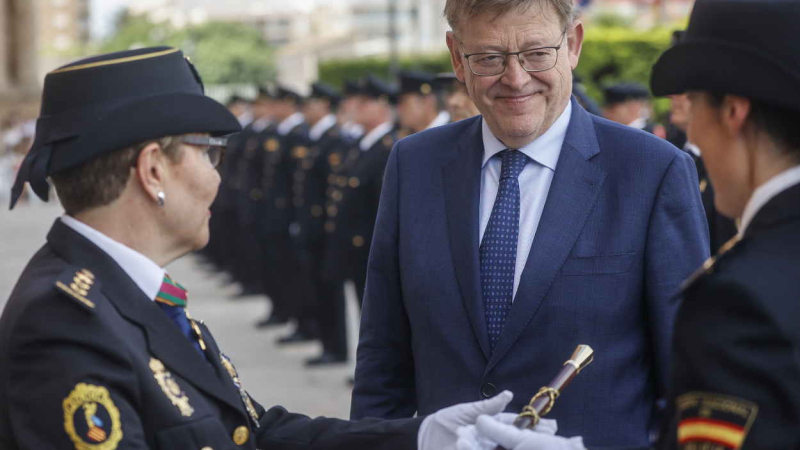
{"x": 622, "y": 227}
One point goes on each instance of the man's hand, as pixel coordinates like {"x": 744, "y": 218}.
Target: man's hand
{"x": 490, "y": 432}
{"x": 439, "y": 430}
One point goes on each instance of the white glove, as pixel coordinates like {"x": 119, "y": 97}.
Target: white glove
{"x": 512, "y": 438}
{"x": 439, "y": 430}
{"x": 470, "y": 439}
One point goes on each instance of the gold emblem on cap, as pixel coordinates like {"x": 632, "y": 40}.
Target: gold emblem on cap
{"x": 84, "y": 403}
{"x": 171, "y": 388}
{"x": 425, "y": 88}
{"x": 240, "y": 435}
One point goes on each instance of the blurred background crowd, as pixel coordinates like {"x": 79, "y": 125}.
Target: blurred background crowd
{"x": 323, "y": 89}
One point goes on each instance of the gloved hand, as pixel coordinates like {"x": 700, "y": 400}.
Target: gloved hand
{"x": 439, "y": 430}
{"x": 512, "y": 438}
{"x": 470, "y": 439}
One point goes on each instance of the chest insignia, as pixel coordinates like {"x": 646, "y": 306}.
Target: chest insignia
{"x": 713, "y": 421}
{"x": 91, "y": 419}
{"x": 248, "y": 403}
{"x": 171, "y": 388}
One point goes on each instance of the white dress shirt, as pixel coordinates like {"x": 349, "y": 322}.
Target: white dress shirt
{"x": 289, "y": 123}
{"x": 142, "y": 270}
{"x": 534, "y": 182}
{"x": 443, "y": 118}
{"x": 375, "y": 135}
{"x": 766, "y": 192}
{"x": 321, "y": 127}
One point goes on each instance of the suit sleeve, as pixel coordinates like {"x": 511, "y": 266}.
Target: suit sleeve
{"x": 68, "y": 381}
{"x": 677, "y": 244}
{"x": 384, "y": 380}
{"x": 729, "y": 346}
{"x": 282, "y": 430}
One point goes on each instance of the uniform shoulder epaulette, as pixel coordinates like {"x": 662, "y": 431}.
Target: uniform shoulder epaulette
{"x": 79, "y": 285}
{"x": 708, "y": 266}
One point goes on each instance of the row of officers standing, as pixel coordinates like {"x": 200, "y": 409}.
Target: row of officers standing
{"x": 296, "y": 209}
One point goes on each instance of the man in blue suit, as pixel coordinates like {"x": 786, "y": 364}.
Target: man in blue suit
{"x": 504, "y": 240}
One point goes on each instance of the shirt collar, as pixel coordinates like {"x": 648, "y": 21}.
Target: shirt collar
{"x": 321, "y": 127}
{"x": 261, "y": 124}
{"x": 375, "y": 135}
{"x": 441, "y": 119}
{"x": 639, "y": 123}
{"x": 142, "y": 270}
{"x": 766, "y": 192}
{"x": 691, "y": 148}
{"x": 545, "y": 149}
{"x": 289, "y": 123}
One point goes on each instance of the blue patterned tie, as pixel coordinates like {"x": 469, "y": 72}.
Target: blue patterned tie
{"x": 498, "y": 251}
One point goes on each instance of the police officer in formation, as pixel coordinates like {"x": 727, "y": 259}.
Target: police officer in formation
{"x": 299, "y": 196}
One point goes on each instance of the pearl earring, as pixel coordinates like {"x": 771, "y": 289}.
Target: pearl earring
{"x": 161, "y": 197}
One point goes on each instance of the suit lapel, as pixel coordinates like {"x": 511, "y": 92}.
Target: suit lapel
{"x": 574, "y": 190}
{"x": 462, "y": 183}
{"x": 165, "y": 341}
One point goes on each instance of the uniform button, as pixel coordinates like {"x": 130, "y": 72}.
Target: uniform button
{"x": 206, "y": 448}
{"x": 241, "y": 435}
{"x": 337, "y": 195}
{"x": 316, "y": 210}
{"x": 354, "y": 182}
{"x": 341, "y": 181}
{"x": 333, "y": 211}
{"x": 488, "y": 390}
{"x": 358, "y": 241}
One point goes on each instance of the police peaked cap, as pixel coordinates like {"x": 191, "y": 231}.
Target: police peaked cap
{"x": 286, "y": 94}
{"x": 323, "y": 91}
{"x": 739, "y": 47}
{"x": 622, "y": 92}
{"x": 109, "y": 102}
{"x": 372, "y": 86}
{"x": 445, "y": 81}
{"x": 415, "y": 82}
{"x": 351, "y": 87}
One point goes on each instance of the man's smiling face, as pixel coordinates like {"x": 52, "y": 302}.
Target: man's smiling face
{"x": 518, "y": 106}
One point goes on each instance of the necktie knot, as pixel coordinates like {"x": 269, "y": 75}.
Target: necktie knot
{"x": 172, "y": 293}
{"x": 513, "y": 163}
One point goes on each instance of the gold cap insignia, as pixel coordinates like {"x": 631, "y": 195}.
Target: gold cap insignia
{"x": 425, "y": 89}
{"x": 171, "y": 388}
{"x": 91, "y": 419}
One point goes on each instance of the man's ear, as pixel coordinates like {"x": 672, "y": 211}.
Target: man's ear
{"x": 575, "y": 43}
{"x": 151, "y": 170}
{"x": 455, "y": 55}
{"x": 734, "y": 113}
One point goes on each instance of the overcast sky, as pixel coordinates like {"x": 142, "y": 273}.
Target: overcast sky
{"x": 102, "y": 15}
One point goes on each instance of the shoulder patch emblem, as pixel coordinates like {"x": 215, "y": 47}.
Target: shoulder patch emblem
{"x": 91, "y": 419}
{"x": 78, "y": 286}
{"x": 272, "y": 145}
{"x": 713, "y": 421}
{"x": 171, "y": 388}
{"x": 248, "y": 403}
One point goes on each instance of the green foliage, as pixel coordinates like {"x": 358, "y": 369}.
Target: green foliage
{"x": 223, "y": 52}
{"x": 610, "y": 54}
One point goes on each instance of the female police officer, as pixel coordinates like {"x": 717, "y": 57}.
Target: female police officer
{"x": 736, "y": 363}
{"x": 97, "y": 351}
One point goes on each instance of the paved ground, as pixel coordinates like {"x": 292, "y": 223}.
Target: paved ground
{"x": 274, "y": 376}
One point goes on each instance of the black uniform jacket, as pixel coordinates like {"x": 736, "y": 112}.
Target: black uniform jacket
{"x": 736, "y": 366}
{"x": 87, "y": 361}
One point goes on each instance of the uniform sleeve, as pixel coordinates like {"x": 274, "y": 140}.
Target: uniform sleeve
{"x": 677, "y": 244}
{"x": 384, "y": 380}
{"x": 68, "y": 385}
{"x": 735, "y": 373}
{"x": 282, "y": 430}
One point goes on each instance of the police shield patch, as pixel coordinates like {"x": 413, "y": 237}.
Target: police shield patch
{"x": 91, "y": 419}
{"x": 708, "y": 421}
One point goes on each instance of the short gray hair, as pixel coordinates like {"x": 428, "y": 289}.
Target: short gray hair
{"x": 456, "y": 11}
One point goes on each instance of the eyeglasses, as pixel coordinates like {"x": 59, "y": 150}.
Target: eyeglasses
{"x": 213, "y": 147}
{"x": 489, "y": 64}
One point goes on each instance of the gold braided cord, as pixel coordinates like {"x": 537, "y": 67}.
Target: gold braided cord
{"x": 528, "y": 411}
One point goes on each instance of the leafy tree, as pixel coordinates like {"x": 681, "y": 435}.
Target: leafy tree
{"x": 224, "y": 52}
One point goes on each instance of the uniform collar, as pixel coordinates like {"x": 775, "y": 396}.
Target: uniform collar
{"x": 545, "y": 149}
{"x": 375, "y": 135}
{"x": 141, "y": 269}
{"x": 443, "y": 118}
{"x": 289, "y": 123}
{"x": 323, "y": 125}
{"x": 766, "y": 192}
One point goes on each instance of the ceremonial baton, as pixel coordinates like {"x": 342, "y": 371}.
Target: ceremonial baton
{"x": 543, "y": 401}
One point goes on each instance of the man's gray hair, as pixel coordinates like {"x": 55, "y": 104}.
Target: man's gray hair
{"x": 457, "y": 11}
